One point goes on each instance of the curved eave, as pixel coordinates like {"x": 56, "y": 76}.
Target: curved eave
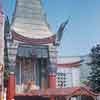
{"x": 33, "y": 41}
{"x": 73, "y": 64}
{"x": 68, "y": 65}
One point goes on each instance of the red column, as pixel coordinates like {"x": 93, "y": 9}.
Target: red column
{"x": 11, "y": 86}
{"x": 52, "y": 80}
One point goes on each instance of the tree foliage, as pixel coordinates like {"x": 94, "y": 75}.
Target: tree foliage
{"x": 95, "y": 68}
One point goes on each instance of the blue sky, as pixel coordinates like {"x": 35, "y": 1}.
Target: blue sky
{"x": 83, "y": 29}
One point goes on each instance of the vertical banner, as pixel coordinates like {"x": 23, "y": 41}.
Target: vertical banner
{"x": 2, "y": 21}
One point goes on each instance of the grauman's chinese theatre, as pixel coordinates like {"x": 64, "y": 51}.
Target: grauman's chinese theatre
{"x": 31, "y": 49}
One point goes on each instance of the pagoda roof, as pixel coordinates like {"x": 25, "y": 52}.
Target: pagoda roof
{"x": 33, "y": 41}
{"x": 29, "y": 20}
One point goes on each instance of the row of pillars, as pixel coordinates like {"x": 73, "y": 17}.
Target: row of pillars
{"x": 11, "y": 89}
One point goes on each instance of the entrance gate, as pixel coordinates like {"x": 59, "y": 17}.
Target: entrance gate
{"x": 83, "y": 93}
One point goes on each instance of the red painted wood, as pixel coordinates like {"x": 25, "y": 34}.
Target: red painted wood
{"x": 32, "y": 41}
{"x": 11, "y": 86}
{"x": 72, "y": 91}
{"x": 72, "y": 64}
{"x": 52, "y": 81}
{"x": 52, "y": 98}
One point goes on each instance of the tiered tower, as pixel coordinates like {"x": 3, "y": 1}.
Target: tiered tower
{"x": 29, "y": 27}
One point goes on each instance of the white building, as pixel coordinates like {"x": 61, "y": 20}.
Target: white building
{"x": 68, "y": 72}
{"x": 72, "y": 71}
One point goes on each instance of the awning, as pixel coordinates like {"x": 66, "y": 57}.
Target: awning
{"x": 24, "y": 51}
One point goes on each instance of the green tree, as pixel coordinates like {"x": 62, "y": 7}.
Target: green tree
{"x": 95, "y": 68}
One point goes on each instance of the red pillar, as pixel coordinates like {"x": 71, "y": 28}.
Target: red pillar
{"x": 52, "y": 82}
{"x": 52, "y": 79}
{"x": 11, "y": 86}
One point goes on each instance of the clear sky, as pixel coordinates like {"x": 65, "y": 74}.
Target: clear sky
{"x": 83, "y": 30}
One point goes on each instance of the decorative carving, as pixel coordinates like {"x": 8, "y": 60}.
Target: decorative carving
{"x": 28, "y": 86}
